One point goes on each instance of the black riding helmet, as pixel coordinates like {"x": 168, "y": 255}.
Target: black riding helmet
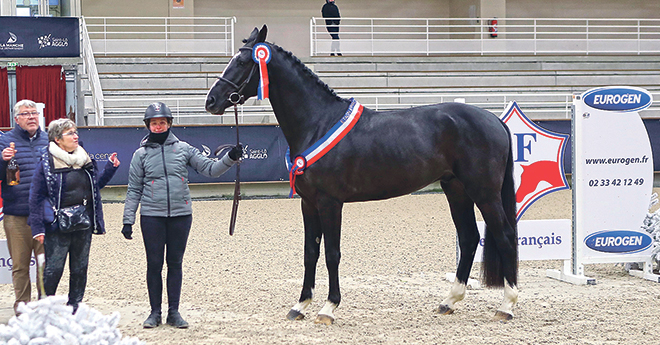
{"x": 155, "y": 110}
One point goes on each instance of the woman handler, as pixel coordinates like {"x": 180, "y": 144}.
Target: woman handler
{"x": 158, "y": 180}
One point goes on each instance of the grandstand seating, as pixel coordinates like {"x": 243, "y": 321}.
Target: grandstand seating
{"x": 541, "y": 84}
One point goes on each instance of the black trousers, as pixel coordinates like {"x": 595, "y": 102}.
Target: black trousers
{"x": 57, "y": 245}
{"x": 159, "y": 233}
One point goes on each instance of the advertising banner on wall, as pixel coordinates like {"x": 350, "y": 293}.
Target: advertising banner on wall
{"x": 264, "y": 148}
{"x": 538, "y": 239}
{"x": 6, "y": 265}
{"x": 39, "y": 37}
{"x": 613, "y": 175}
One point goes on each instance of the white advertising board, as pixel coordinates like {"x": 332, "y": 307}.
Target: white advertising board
{"x": 6, "y": 264}
{"x": 612, "y": 176}
{"x": 547, "y": 239}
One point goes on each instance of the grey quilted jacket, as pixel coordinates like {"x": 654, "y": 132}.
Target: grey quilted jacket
{"x": 158, "y": 178}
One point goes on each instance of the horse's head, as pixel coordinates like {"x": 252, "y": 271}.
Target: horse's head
{"x": 239, "y": 80}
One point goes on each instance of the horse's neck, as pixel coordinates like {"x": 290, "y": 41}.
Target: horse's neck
{"x": 305, "y": 109}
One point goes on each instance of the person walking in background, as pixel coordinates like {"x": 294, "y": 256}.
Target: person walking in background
{"x": 65, "y": 207}
{"x": 158, "y": 180}
{"x": 28, "y": 140}
{"x": 330, "y": 11}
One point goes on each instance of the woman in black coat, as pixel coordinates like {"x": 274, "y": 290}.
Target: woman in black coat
{"x": 66, "y": 178}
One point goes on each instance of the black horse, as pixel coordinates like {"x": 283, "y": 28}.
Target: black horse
{"x": 386, "y": 154}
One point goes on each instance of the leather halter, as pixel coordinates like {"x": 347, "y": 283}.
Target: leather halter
{"x": 237, "y": 97}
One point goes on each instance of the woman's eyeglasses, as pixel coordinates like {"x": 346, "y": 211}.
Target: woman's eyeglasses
{"x": 70, "y": 133}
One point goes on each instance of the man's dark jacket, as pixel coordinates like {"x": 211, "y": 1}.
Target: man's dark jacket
{"x": 28, "y": 155}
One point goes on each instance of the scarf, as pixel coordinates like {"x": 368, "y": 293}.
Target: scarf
{"x": 159, "y": 138}
{"x": 62, "y": 159}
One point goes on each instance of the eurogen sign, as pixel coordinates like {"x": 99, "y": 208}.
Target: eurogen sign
{"x": 618, "y": 241}
{"x": 618, "y": 98}
{"x": 612, "y": 176}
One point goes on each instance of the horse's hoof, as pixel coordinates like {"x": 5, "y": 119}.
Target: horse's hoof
{"x": 502, "y": 316}
{"x": 295, "y": 315}
{"x": 324, "y": 319}
{"x": 445, "y": 310}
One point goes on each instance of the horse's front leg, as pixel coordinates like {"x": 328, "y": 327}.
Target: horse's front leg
{"x": 313, "y": 234}
{"x": 330, "y": 215}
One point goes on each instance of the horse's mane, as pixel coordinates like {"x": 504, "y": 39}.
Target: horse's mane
{"x": 308, "y": 72}
{"x": 296, "y": 61}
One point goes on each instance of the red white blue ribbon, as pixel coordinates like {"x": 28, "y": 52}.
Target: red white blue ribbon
{"x": 261, "y": 55}
{"x": 323, "y": 145}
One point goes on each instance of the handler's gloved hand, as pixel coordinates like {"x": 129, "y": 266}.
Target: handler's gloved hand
{"x": 127, "y": 231}
{"x": 236, "y": 153}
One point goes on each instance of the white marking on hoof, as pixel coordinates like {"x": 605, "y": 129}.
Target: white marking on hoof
{"x": 297, "y": 312}
{"x": 326, "y": 315}
{"x": 456, "y": 294}
{"x": 505, "y": 311}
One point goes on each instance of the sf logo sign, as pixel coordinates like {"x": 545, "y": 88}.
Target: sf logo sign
{"x": 538, "y": 158}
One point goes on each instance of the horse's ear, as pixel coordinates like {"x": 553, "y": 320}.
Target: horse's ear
{"x": 262, "y": 34}
{"x": 253, "y": 36}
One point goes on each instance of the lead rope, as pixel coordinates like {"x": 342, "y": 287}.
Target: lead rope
{"x": 235, "y": 98}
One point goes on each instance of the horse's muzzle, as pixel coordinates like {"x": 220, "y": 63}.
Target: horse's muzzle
{"x": 215, "y": 107}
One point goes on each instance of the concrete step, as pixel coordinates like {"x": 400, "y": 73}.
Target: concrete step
{"x": 131, "y": 83}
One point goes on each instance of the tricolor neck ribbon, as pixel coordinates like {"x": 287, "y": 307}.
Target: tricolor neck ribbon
{"x": 261, "y": 55}
{"x": 323, "y": 145}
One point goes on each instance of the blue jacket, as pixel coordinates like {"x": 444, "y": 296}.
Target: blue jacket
{"x": 28, "y": 154}
{"x": 47, "y": 185}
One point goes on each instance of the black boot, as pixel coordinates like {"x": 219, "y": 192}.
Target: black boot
{"x": 154, "y": 320}
{"x": 174, "y": 319}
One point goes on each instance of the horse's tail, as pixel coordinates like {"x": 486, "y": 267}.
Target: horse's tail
{"x": 496, "y": 266}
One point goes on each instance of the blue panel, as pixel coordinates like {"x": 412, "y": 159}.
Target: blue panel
{"x": 39, "y": 37}
{"x": 265, "y": 147}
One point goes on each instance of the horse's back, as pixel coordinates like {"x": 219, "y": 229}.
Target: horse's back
{"x": 392, "y": 153}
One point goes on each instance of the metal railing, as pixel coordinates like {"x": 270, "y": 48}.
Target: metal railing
{"x": 188, "y": 110}
{"x": 89, "y": 68}
{"x": 438, "y": 36}
{"x": 162, "y": 35}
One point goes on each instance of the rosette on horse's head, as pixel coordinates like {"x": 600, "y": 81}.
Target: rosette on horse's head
{"x": 235, "y": 85}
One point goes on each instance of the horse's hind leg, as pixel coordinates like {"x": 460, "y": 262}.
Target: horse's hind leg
{"x": 313, "y": 235}
{"x": 500, "y": 256}
{"x": 462, "y": 212}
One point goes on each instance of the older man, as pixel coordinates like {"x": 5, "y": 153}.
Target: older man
{"x": 29, "y": 139}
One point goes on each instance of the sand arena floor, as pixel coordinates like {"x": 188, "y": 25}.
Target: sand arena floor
{"x": 395, "y": 254}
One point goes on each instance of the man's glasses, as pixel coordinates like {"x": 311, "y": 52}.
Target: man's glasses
{"x": 70, "y": 133}
{"x": 29, "y": 114}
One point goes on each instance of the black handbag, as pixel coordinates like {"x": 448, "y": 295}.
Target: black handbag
{"x": 73, "y": 218}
